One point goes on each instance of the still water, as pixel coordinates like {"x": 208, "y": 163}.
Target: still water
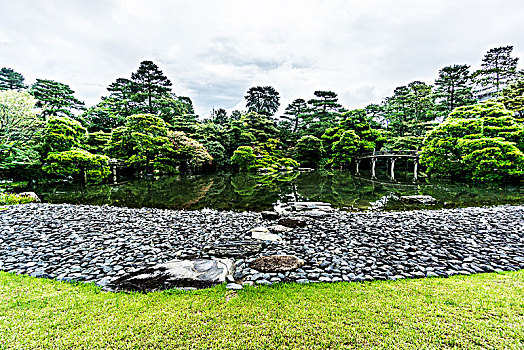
{"x": 229, "y": 191}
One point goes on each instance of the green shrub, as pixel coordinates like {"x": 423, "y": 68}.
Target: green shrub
{"x": 244, "y": 157}
{"x": 309, "y": 150}
{"x": 12, "y": 199}
{"x": 479, "y": 143}
{"x": 82, "y": 166}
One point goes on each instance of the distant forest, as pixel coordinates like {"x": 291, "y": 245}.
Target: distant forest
{"x": 467, "y": 125}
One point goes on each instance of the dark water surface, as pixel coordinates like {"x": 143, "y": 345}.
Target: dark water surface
{"x": 227, "y": 191}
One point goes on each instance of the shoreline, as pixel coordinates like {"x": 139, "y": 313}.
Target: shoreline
{"x": 101, "y": 243}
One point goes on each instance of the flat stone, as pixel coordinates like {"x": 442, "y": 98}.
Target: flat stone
{"x": 270, "y": 215}
{"x": 199, "y": 273}
{"x": 292, "y": 222}
{"x": 236, "y": 249}
{"x": 314, "y": 213}
{"x": 277, "y": 263}
{"x": 279, "y": 229}
{"x": 263, "y": 234}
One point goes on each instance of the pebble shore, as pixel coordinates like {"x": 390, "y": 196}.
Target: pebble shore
{"x": 100, "y": 244}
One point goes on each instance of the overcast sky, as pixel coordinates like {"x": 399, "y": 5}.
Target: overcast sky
{"x": 213, "y": 51}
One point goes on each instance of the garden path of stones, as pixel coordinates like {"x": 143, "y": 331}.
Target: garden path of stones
{"x": 103, "y": 244}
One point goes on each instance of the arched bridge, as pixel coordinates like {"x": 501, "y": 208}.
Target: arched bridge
{"x": 391, "y": 157}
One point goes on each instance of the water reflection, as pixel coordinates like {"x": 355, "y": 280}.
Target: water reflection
{"x": 226, "y": 191}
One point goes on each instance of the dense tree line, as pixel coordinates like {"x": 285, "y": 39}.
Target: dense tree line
{"x": 46, "y": 131}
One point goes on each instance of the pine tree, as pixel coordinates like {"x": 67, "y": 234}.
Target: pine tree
{"x": 55, "y": 99}
{"x": 151, "y": 86}
{"x": 324, "y": 111}
{"x": 219, "y": 116}
{"x": 513, "y": 99}
{"x": 453, "y": 88}
{"x": 121, "y": 97}
{"x": 263, "y": 100}
{"x": 409, "y": 109}
{"x": 295, "y": 113}
{"x": 11, "y": 80}
{"x": 498, "y": 70}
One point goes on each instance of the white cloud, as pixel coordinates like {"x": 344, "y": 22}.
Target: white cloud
{"x": 213, "y": 51}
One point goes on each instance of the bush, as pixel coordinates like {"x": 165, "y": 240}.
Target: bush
{"x": 82, "y": 166}
{"x": 244, "y": 157}
{"x": 490, "y": 159}
{"x": 12, "y": 199}
{"x": 309, "y": 150}
{"x": 188, "y": 152}
{"x": 62, "y": 134}
{"x": 479, "y": 143}
{"x": 345, "y": 148}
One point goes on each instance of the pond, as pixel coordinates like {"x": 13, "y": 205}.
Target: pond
{"x": 229, "y": 191}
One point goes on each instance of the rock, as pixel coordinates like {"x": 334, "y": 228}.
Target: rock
{"x": 418, "y": 199}
{"x": 314, "y": 214}
{"x": 292, "y": 222}
{"x": 270, "y": 215}
{"x": 233, "y": 286}
{"x": 30, "y": 195}
{"x": 236, "y": 249}
{"x": 103, "y": 282}
{"x": 198, "y": 273}
{"x": 277, "y": 263}
{"x": 279, "y": 229}
{"x": 263, "y": 234}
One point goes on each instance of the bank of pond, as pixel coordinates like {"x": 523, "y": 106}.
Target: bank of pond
{"x": 257, "y": 192}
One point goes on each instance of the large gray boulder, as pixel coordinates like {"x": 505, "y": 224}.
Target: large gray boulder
{"x": 198, "y": 273}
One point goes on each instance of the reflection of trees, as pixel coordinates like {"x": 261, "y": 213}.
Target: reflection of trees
{"x": 261, "y": 191}
{"x": 95, "y": 195}
{"x": 175, "y": 192}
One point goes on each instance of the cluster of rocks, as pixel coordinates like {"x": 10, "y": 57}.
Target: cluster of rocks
{"x": 150, "y": 249}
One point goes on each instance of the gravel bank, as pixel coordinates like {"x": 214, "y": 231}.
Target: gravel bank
{"x": 99, "y": 244}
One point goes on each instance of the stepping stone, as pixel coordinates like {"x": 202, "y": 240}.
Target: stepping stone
{"x": 277, "y": 263}
{"x": 279, "y": 229}
{"x": 263, "y": 234}
{"x": 292, "y": 222}
{"x": 236, "y": 249}
{"x": 270, "y": 215}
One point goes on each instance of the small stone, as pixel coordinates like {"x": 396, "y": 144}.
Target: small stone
{"x": 233, "y": 286}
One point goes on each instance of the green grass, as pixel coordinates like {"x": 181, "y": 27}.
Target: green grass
{"x": 480, "y": 311}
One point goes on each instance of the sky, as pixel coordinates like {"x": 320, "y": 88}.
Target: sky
{"x": 214, "y": 51}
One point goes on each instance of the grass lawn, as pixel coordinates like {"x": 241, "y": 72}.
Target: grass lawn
{"x": 480, "y": 311}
